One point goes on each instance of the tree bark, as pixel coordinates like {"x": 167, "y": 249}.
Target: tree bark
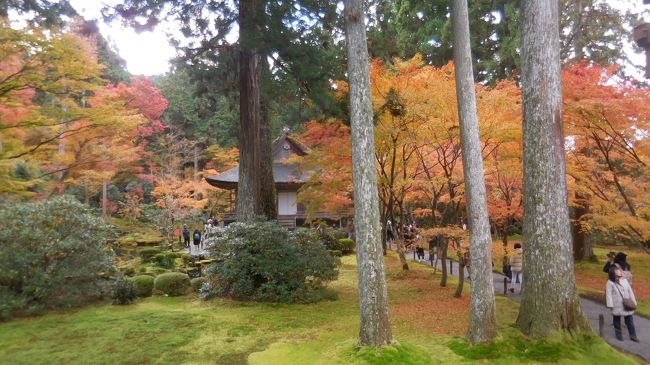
{"x": 461, "y": 279}
{"x": 550, "y": 301}
{"x": 268, "y": 194}
{"x": 444, "y": 245}
{"x": 105, "y": 199}
{"x": 373, "y": 294}
{"x": 582, "y": 248}
{"x": 482, "y": 322}
{"x": 248, "y": 187}
{"x": 196, "y": 169}
{"x": 402, "y": 256}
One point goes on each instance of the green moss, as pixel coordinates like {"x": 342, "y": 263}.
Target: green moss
{"x": 184, "y": 330}
{"x": 405, "y": 354}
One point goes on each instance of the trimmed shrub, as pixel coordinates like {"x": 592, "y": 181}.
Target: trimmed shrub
{"x": 54, "y": 254}
{"x": 328, "y": 238}
{"x": 143, "y": 285}
{"x": 197, "y": 283}
{"x": 187, "y": 259}
{"x": 148, "y": 253}
{"x": 123, "y": 291}
{"x": 128, "y": 270}
{"x": 172, "y": 284}
{"x": 348, "y": 245}
{"x": 264, "y": 261}
{"x": 164, "y": 259}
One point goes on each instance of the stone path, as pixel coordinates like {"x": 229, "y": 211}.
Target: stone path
{"x": 591, "y": 308}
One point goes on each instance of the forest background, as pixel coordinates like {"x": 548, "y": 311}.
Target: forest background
{"x": 75, "y": 122}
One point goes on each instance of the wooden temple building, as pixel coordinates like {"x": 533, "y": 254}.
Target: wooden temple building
{"x": 288, "y": 179}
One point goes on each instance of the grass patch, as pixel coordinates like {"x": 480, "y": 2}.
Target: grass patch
{"x": 428, "y": 322}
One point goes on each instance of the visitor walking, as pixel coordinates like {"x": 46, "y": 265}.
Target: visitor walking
{"x": 516, "y": 266}
{"x": 620, "y": 299}
{"x": 420, "y": 252}
{"x": 197, "y": 240}
{"x": 466, "y": 262}
{"x": 505, "y": 267}
{"x": 389, "y": 233}
{"x": 186, "y": 236}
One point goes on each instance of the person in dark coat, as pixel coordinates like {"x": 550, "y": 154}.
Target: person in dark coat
{"x": 197, "y": 237}
{"x": 619, "y": 260}
{"x": 186, "y": 236}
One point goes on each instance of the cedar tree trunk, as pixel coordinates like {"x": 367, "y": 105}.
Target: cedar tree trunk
{"x": 373, "y": 294}
{"x": 549, "y": 301}
{"x": 248, "y": 187}
{"x": 268, "y": 195}
{"x": 482, "y": 321}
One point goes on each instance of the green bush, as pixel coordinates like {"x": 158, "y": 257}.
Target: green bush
{"x": 123, "y": 291}
{"x": 187, "y": 259}
{"x": 143, "y": 285}
{"x": 263, "y": 261}
{"x": 54, "y": 254}
{"x": 172, "y": 283}
{"x": 197, "y": 283}
{"x": 128, "y": 270}
{"x": 164, "y": 259}
{"x": 348, "y": 245}
{"x": 328, "y": 238}
{"x": 148, "y": 253}
{"x": 336, "y": 253}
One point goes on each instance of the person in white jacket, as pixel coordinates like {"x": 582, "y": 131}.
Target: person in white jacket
{"x": 616, "y": 289}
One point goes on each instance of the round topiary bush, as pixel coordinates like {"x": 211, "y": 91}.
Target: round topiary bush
{"x": 264, "y": 261}
{"x": 143, "y": 285}
{"x": 172, "y": 283}
{"x": 197, "y": 283}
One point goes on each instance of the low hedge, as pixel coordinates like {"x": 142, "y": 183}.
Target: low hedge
{"x": 143, "y": 285}
{"x": 172, "y": 284}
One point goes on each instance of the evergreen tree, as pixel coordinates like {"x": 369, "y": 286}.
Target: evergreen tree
{"x": 550, "y": 299}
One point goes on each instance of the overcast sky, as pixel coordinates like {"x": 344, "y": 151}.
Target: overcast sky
{"x": 148, "y": 53}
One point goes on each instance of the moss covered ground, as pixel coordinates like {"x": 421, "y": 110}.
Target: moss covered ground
{"x": 427, "y": 322}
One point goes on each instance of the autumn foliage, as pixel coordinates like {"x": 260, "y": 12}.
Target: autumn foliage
{"x": 418, "y": 150}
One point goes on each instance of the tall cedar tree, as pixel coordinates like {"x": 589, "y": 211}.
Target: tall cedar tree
{"x": 250, "y": 113}
{"x": 482, "y": 323}
{"x": 373, "y": 294}
{"x": 550, "y": 300}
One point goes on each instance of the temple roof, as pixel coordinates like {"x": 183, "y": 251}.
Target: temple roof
{"x": 285, "y": 175}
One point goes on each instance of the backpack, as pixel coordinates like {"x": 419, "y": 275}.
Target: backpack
{"x": 197, "y": 236}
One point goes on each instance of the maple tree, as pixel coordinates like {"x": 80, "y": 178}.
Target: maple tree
{"x": 607, "y": 121}
{"x": 330, "y": 185}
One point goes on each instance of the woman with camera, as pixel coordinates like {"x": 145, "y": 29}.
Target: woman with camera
{"x": 620, "y": 299}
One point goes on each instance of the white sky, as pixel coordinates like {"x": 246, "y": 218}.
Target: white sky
{"x": 148, "y": 53}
